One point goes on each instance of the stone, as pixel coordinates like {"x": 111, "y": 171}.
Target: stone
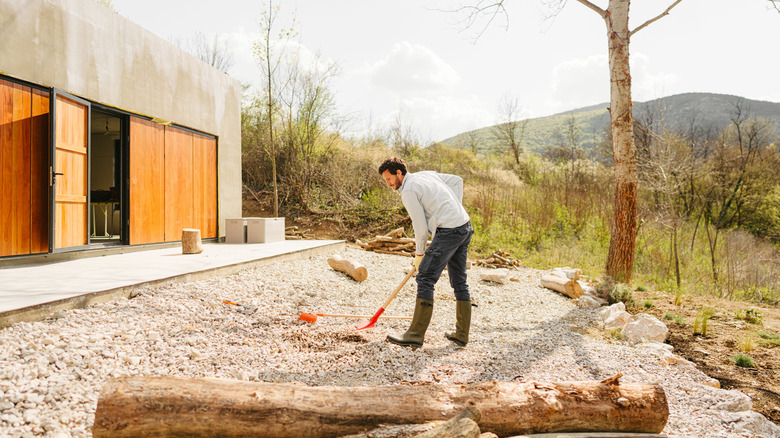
{"x": 587, "y": 302}
{"x": 614, "y": 316}
{"x": 500, "y": 276}
{"x": 735, "y": 402}
{"x": 643, "y": 328}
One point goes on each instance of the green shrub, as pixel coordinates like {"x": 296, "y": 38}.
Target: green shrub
{"x": 743, "y": 360}
{"x": 622, "y": 293}
{"x": 647, "y": 304}
{"x": 751, "y": 316}
{"x": 679, "y": 319}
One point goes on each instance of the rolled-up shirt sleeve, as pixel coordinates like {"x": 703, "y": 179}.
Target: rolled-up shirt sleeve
{"x": 419, "y": 224}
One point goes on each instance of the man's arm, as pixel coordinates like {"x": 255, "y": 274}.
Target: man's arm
{"x": 417, "y": 214}
{"x": 455, "y": 183}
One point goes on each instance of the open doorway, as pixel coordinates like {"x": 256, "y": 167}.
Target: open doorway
{"x": 107, "y": 192}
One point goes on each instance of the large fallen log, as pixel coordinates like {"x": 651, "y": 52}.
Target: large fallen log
{"x": 176, "y": 406}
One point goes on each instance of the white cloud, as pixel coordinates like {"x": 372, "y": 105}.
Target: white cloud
{"x": 412, "y": 68}
{"x": 438, "y": 118}
{"x": 582, "y": 82}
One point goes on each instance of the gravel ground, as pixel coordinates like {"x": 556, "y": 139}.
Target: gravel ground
{"x": 51, "y": 372}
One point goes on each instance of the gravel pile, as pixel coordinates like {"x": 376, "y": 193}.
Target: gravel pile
{"x": 51, "y": 372}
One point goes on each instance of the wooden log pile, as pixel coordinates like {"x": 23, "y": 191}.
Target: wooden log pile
{"x": 293, "y": 233}
{"x": 393, "y": 242}
{"x": 499, "y": 259}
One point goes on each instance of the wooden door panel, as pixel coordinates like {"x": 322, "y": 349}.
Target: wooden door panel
{"x": 6, "y": 165}
{"x": 147, "y": 182}
{"x": 39, "y": 173}
{"x": 71, "y": 159}
{"x": 24, "y": 157}
{"x": 205, "y": 185}
{"x": 179, "y": 199}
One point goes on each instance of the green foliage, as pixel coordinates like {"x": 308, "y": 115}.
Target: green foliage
{"x": 640, "y": 288}
{"x": 700, "y": 323}
{"x": 679, "y": 319}
{"x": 647, "y": 304}
{"x": 751, "y": 316}
{"x": 769, "y": 340}
{"x": 743, "y": 360}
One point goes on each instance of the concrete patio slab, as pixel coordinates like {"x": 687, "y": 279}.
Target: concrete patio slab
{"x": 31, "y": 292}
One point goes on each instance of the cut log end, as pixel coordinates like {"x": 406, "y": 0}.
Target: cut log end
{"x": 190, "y": 241}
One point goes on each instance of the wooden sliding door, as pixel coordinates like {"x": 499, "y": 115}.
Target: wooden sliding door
{"x": 179, "y": 199}
{"x": 147, "y": 182}
{"x": 204, "y": 161}
{"x": 71, "y": 171}
{"x": 24, "y": 132}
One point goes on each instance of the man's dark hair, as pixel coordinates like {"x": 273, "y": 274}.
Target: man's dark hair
{"x": 393, "y": 165}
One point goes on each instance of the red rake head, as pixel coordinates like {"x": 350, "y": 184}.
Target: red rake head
{"x": 308, "y": 317}
{"x": 373, "y": 320}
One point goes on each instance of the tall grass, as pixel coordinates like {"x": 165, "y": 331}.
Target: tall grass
{"x": 549, "y": 222}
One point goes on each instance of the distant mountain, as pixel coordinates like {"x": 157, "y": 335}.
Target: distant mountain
{"x": 705, "y": 110}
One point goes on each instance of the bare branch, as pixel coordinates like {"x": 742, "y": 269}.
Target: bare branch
{"x": 776, "y": 4}
{"x": 595, "y": 8}
{"x": 648, "y": 22}
{"x": 472, "y": 13}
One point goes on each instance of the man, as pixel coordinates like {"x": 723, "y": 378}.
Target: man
{"x": 434, "y": 202}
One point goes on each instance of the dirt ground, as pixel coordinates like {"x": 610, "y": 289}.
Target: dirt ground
{"x": 728, "y": 334}
{"x": 713, "y": 353}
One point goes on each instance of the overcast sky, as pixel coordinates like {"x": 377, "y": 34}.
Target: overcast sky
{"x": 412, "y": 57}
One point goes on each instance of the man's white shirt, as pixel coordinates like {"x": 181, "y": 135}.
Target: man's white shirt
{"x": 433, "y": 200}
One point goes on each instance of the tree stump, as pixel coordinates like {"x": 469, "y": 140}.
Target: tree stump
{"x": 190, "y": 241}
{"x": 177, "y": 406}
{"x": 355, "y": 270}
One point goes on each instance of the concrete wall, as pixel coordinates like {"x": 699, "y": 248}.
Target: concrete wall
{"x": 87, "y": 50}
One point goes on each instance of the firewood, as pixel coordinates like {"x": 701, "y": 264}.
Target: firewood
{"x": 398, "y": 232}
{"x": 178, "y": 406}
{"x": 355, "y": 270}
{"x": 381, "y": 251}
{"x": 570, "y": 288}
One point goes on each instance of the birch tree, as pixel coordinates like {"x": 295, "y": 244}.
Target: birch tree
{"x": 620, "y": 259}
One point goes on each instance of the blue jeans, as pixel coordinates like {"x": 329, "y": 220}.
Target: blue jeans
{"x": 450, "y": 247}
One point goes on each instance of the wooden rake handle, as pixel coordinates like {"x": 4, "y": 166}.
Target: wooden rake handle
{"x": 400, "y": 286}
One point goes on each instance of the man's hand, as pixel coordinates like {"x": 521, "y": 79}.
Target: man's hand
{"x": 417, "y": 260}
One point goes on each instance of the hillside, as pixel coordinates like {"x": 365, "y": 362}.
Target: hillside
{"x": 706, "y": 110}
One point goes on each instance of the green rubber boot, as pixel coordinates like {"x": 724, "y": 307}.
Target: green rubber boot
{"x": 423, "y": 310}
{"x": 462, "y": 323}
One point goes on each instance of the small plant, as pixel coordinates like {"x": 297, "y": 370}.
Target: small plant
{"x": 616, "y": 333}
{"x": 768, "y": 340}
{"x": 679, "y": 319}
{"x": 647, "y": 304}
{"x": 744, "y": 361}
{"x": 679, "y": 297}
{"x": 700, "y": 323}
{"x": 622, "y": 293}
{"x": 641, "y": 288}
{"x": 751, "y": 316}
{"x": 746, "y": 343}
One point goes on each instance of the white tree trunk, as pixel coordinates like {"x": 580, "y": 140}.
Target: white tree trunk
{"x": 620, "y": 260}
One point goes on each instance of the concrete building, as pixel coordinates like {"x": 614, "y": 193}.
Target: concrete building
{"x": 109, "y": 135}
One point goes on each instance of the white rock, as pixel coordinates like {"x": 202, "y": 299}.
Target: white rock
{"x": 752, "y": 423}
{"x": 587, "y": 302}
{"x": 605, "y": 313}
{"x": 500, "y": 275}
{"x": 644, "y": 328}
{"x": 735, "y": 401}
